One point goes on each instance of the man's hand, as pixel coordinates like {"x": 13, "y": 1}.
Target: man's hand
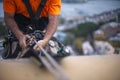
{"x": 42, "y": 43}
{"x": 22, "y": 41}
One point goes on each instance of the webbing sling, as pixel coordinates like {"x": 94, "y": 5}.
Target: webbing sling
{"x": 34, "y": 17}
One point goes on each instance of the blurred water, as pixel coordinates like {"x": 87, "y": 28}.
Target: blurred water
{"x": 1, "y": 10}
{"x": 89, "y": 8}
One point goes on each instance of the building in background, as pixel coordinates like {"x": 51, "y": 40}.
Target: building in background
{"x": 108, "y": 30}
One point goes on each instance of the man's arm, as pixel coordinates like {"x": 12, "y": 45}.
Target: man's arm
{"x": 12, "y": 25}
{"x": 51, "y": 29}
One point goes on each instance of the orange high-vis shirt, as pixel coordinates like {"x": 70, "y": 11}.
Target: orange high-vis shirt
{"x": 17, "y": 6}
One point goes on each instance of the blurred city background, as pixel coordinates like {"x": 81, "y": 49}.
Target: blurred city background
{"x": 86, "y": 27}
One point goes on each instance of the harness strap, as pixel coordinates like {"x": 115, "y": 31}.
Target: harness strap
{"x": 39, "y": 10}
{"x": 34, "y": 17}
{"x": 29, "y": 8}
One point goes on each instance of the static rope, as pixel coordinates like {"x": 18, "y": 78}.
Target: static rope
{"x": 52, "y": 65}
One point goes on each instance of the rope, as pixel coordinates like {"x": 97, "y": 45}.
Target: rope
{"x": 52, "y": 65}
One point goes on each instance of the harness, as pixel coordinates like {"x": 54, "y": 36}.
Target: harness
{"x": 29, "y": 25}
{"x": 34, "y": 17}
{"x": 26, "y": 25}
